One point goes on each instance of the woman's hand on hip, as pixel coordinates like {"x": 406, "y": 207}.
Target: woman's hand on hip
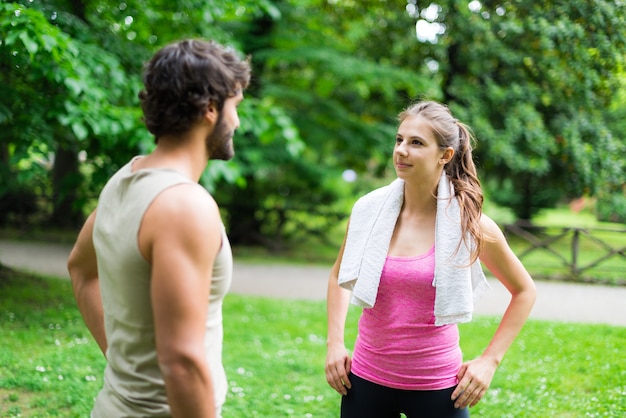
{"x": 474, "y": 379}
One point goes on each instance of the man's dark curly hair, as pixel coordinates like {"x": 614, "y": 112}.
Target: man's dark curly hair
{"x": 183, "y": 78}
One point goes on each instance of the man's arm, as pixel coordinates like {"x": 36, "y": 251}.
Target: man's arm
{"x": 83, "y": 269}
{"x": 180, "y": 236}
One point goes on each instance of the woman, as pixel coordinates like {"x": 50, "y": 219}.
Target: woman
{"x": 411, "y": 258}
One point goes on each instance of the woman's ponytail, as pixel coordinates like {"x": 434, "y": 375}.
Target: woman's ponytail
{"x": 461, "y": 170}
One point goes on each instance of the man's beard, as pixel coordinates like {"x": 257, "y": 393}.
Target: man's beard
{"x": 219, "y": 143}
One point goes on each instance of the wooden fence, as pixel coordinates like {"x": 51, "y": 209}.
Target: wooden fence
{"x": 571, "y": 253}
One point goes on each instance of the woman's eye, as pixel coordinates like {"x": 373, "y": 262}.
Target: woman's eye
{"x": 416, "y": 142}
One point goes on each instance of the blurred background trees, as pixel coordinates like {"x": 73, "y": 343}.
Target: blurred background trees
{"x": 540, "y": 83}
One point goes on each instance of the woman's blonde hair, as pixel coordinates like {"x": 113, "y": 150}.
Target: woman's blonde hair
{"x": 461, "y": 170}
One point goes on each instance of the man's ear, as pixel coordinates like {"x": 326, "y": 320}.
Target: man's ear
{"x": 211, "y": 113}
{"x": 447, "y": 155}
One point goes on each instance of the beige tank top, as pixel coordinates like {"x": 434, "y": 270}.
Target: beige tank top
{"x": 133, "y": 385}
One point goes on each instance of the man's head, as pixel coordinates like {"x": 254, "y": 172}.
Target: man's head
{"x": 183, "y": 79}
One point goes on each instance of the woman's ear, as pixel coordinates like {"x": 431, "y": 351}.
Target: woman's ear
{"x": 447, "y": 155}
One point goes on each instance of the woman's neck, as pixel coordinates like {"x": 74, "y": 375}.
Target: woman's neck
{"x": 420, "y": 198}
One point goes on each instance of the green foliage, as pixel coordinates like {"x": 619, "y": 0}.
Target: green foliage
{"x": 340, "y": 98}
{"x": 541, "y": 84}
{"x": 535, "y": 81}
{"x": 84, "y": 59}
{"x": 60, "y": 95}
{"x": 612, "y": 208}
{"x": 343, "y": 96}
{"x": 274, "y": 353}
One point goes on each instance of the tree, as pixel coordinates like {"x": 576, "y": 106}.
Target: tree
{"x": 535, "y": 80}
{"x": 611, "y": 199}
{"x": 343, "y": 100}
{"x": 73, "y": 68}
{"x": 58, "y": 93}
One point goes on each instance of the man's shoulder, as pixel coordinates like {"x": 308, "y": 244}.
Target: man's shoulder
{"x": 184, "y": 212}
{"x": 186, "y": 198}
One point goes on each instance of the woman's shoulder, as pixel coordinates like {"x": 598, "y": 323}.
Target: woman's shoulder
{"x": 486, "y": 221}
{"x": 490, "y": 229}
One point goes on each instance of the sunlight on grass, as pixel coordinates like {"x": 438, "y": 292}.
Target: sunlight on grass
{"x": 563, "y": 216}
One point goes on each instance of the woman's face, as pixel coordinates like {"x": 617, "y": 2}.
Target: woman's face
{"x": 416, "y": 154}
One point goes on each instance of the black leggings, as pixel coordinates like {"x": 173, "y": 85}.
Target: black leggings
{"x": 370, "y": 400}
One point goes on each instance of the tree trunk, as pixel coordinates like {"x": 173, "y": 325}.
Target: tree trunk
{"x": 65, "y": 181}
{"x": 244, "y": 227}
{"x": 455, "y": 68}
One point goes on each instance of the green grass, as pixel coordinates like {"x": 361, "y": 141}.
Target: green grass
{"x": 49, "y": 365}
{"x": 274, "y": 354}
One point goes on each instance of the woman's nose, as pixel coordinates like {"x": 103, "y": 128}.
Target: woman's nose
{"x": 400, "y": 149}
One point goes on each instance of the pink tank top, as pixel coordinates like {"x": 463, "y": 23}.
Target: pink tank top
{"x": 398, "y": 345}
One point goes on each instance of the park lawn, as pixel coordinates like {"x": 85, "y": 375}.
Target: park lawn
{"x": 274, "y": 356}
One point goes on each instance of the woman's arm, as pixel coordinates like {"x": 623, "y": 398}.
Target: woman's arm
{"x": 475, "y": 376}
{"x": 337, "y": 358}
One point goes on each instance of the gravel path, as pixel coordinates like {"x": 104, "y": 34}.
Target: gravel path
{"x": 567, "y": 302}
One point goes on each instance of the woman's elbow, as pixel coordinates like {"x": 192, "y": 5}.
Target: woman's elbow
{"x": 527, "y": 294}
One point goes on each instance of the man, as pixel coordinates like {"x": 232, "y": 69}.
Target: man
{"x": 152, "y": 263}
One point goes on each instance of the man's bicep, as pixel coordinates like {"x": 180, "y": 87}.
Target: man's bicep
{"x": 179, "y": 293}
{"x": 184, "y": 247}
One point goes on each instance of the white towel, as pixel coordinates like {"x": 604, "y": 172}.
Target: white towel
{"x": 458, "y": 284}
{"x": 372, "y": 222}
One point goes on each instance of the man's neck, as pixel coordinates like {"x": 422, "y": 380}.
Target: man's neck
{"x": 186, "y": 155}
